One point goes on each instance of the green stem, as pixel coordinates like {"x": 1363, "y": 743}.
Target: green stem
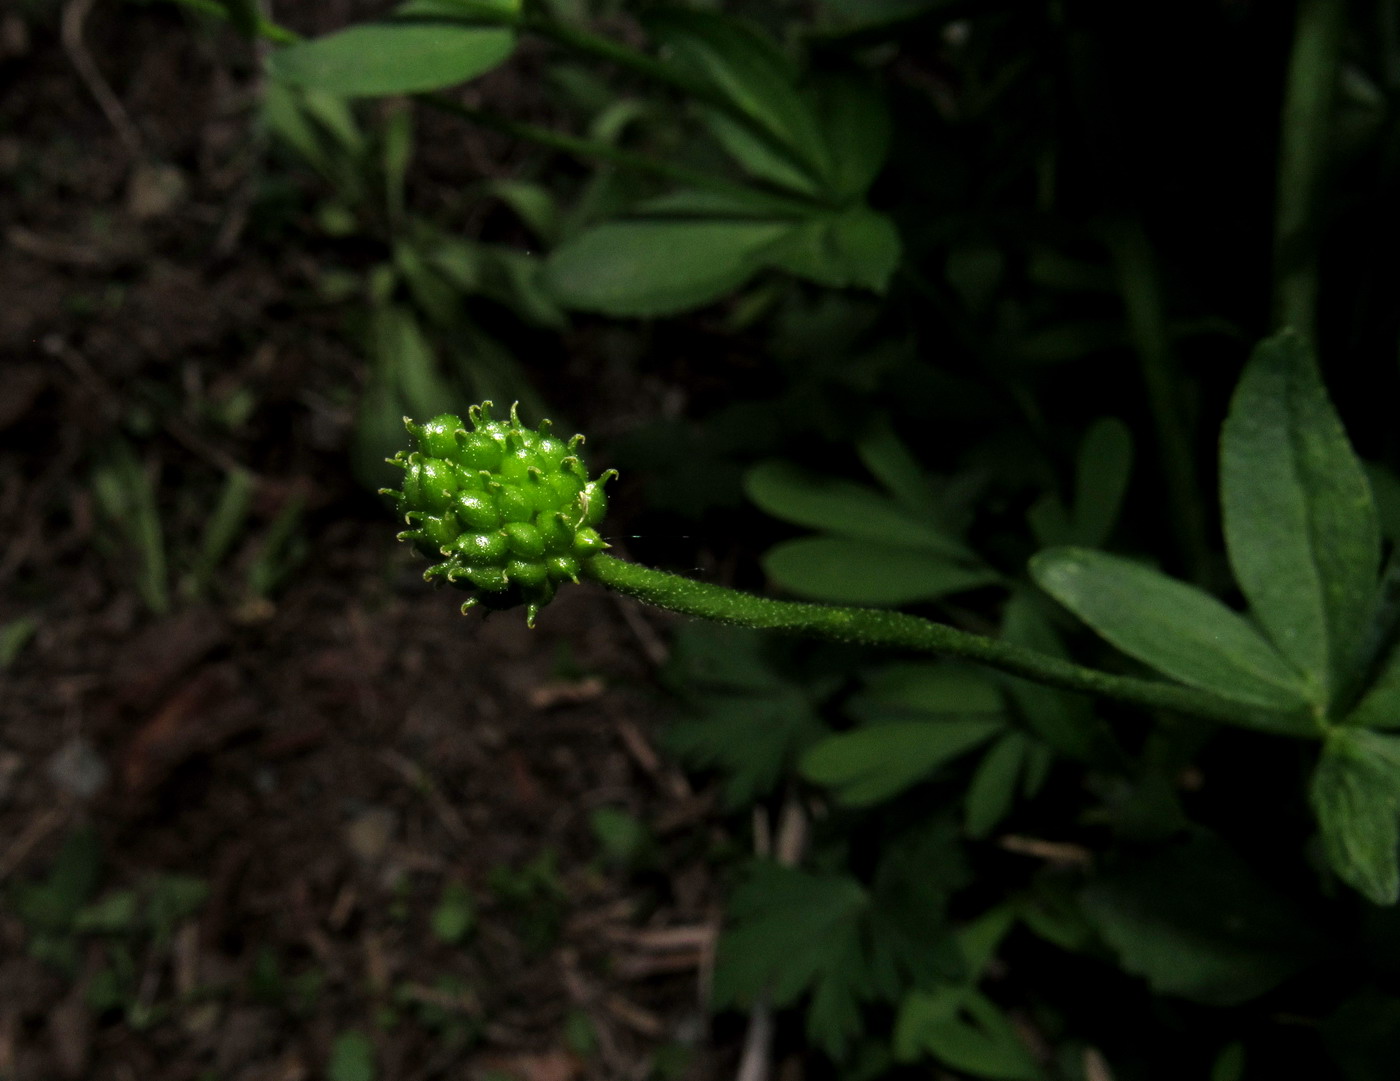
{"x": 1303, "y": 145}
{"x": 876, "y": 627}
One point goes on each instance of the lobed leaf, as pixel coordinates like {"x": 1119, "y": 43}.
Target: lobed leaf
{"x": 792, "y": 932}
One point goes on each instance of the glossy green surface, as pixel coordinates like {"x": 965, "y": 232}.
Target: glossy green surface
{"x": 505, "y": 511}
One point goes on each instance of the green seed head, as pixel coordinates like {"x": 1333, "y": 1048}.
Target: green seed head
{"x": 508, "y": 512}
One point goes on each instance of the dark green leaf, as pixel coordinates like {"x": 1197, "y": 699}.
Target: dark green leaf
{"x": 911, "y": 942}
{"x": 965, "y": 1030}
{"x": 1195, "y": 922}
{"x": 819, "y": 501}
{"x": 889, "y": 460}
{"x": 321, "y": 129}
{"x": 1049, "y": 522}
{"x": 757, "y": 154}
{"x": 1356, "y": 796}
{"x": 748, "y": 71}
{"x": 876, "y": 763}
{"x": 752, "y": 741}
{"x": 1300, "y": 521}
{"x": 992, "y": 792}
{"x": 1174, "y": 627}
{"x": 931, "y": 688}
{"x": 1105, "y": 461}
{"x": 1380, "y": 708}
{"x": 393, "y": 58}
{"x": 1064, "y": 721}
{"x": 653, "y": 268}
{"x": 792, "y": 932}
{"x": 534, "y": 204}
{"x": 401, "y": 348}
{"x": 862, "y": 572}
{"x": 978, "y": 941}
{"x": 468, "y": 10}
{"x": 736, "y": 203}
{"x": 857, "y": 247}
{"x": 857, "y": 126}
{"x": 433, "y": 295}
{"x": 746, "y": 719}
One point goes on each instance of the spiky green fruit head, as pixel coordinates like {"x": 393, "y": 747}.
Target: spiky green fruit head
{"x": 508, "y": 512}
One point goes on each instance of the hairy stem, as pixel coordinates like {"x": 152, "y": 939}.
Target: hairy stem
{"x": 877, "y": 627}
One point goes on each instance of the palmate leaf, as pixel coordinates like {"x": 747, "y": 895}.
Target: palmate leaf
{"x": 795, "y": 933}
{"x": 747, "y": 720}
{"x": 751, "y": 740}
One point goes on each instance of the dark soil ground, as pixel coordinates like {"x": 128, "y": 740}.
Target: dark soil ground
{"x": 384, "y": 811}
